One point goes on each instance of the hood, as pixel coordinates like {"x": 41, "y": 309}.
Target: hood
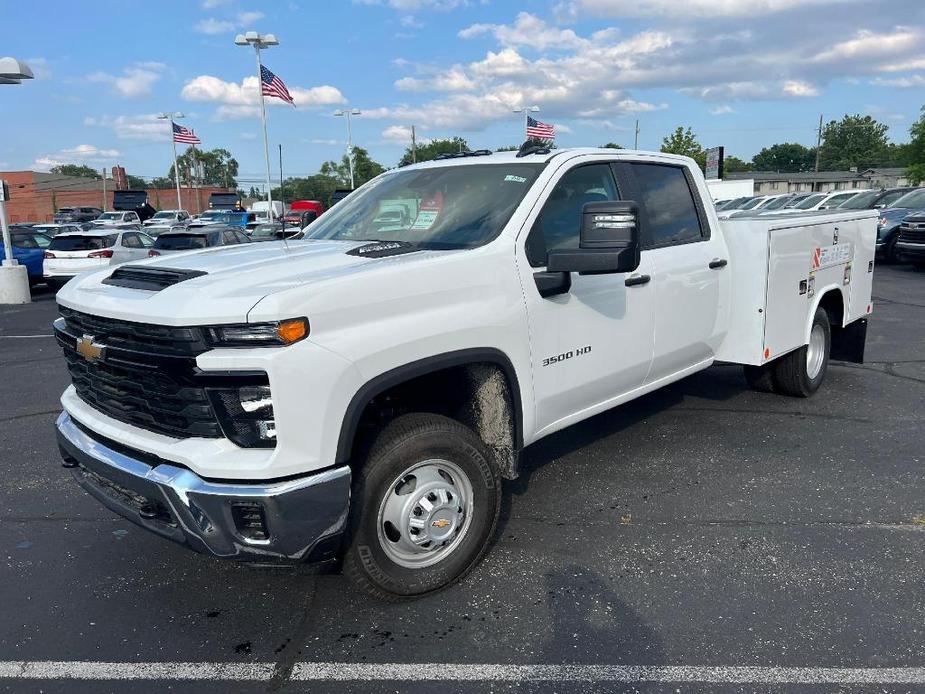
{"x": 235, "y": 279}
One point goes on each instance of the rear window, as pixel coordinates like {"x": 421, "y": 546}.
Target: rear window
{"x": 81, "y": 243}
{"x": 180, "y": 242}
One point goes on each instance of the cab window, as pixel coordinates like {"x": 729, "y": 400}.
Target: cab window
{"x": 665, "y": 197}
{"x": 559, "y": 222}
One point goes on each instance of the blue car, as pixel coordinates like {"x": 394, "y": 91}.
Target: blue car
{"x": 28, "y": 250}
{"x": 228, "y": 218}
{"x": 890, "y": 218}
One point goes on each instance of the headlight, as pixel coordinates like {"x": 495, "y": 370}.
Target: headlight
{"x": 881, "y": 222}
{"x": 246, "y": 415}
{"x": 277, "y": 333}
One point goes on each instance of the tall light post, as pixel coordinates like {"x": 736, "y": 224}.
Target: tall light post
{"x": 527, "y": 110}
{"x": 347, "y": 112}
{"x": 259, "y": 41}
{"x": 170, "y": 118}
{"x": 14, "y": 278}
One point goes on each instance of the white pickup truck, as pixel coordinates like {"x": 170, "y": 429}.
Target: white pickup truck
{"x": 361, "y": 393}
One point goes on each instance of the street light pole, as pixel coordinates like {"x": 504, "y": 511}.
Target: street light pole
{"x": 349, "y": 112}
{"x": 527, "y": 110}
{"x": 170, "y": 117}
{"x": 259, "y": 41}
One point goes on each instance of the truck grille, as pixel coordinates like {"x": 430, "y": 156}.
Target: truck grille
{"x": 141, "y": 379}
{"x": 914, "y": 233}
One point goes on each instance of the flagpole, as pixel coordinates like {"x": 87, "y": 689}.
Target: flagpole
{"x": 176, "y": 169}
{"x": 266, "y": 140}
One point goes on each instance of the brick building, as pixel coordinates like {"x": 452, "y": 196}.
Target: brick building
{"x": 34, "y": 195}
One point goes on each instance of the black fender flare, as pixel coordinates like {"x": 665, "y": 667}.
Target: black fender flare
{"x": 422, "y": 367}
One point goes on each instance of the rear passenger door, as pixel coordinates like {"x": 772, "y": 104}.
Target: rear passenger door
{"x": 690, "y": 267}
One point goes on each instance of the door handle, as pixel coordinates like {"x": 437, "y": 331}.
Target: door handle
{"x": 635, "y": 280}
{"x": 717, "y": 263}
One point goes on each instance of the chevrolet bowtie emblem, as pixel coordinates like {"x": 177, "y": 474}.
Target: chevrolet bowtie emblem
{"x": 442, "y": 523}
{"x": 88, "y": 349}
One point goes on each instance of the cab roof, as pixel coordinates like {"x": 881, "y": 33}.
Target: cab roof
{"x": 510, "y": 157}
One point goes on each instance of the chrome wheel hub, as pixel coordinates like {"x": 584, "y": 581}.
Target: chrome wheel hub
{"x": 815, "y": 352}
{"x": 425, "y": 513}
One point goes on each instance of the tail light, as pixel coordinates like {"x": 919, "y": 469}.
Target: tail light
{"x": 49, "y": 254}
{"x": 101, "y": 254}
{"x": 152, "y": 253}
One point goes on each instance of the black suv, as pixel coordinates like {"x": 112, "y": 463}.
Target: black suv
{"x": 910, "y": 246}
{"x": 77, "y": 214}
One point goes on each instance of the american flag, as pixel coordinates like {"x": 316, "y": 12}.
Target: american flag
{"x": 185, "y": 135}
{"x": 543, "y": 131}
{"x": 271, "y": 85}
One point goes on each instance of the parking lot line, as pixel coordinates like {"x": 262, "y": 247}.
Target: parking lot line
{"x": 369, "y": 672}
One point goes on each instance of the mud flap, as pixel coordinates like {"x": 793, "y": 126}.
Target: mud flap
{"x": 848, "y": 342}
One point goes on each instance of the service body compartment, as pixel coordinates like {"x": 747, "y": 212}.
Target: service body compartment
{"x": 781, "y": 266}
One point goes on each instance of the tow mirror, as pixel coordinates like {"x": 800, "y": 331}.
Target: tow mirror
{"x": 608, "y": 241}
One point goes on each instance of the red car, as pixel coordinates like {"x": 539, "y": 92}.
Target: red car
{"x": 303, "y": 212}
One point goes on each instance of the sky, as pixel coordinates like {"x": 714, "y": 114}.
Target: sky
{"x": 742, "y": 74}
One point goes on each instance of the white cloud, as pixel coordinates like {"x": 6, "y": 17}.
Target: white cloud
{"x": 900, "y": 82}
{"x": 214, "y": 26}
{"x": 416, "y": 5}
{"x": 689, "y": 8}
{"x": 799, "y": 88}
{"x": 329, "y": 142}
{"x": 242, "y": 100}
{"x": 505, "y": 63}
{"x": 401, "y": 134}
{"x": 411, "y": 22}
{"x": 212, "y": 4}
{"x": 867, "y": 44}
{"x": 136, "y": 80}
{"x": 527, "y": 30}
{"x": 140, "y": 127}
{"x": 453, "y": 80}
{"x": 81, "y": 154}
{"x": 721, "y": 110}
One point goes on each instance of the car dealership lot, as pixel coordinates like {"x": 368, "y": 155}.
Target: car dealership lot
{"x": 704, "y": 525}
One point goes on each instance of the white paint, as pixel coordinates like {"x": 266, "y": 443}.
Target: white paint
{"x": 370, "y": 672}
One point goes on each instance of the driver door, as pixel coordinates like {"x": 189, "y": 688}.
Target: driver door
{"x": 593, "y": 344}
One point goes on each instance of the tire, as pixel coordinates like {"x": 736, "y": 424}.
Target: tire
{"x": 760, "y": 378}
{"x": 889, "y": 253}
{"x": 801, "y": 372}
{"x": 433, "y": 471}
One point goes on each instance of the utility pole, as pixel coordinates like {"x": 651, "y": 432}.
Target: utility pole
{"x": 818, "y": 142}
{"x": 104, "y": 189}
{"x": 282, "y": 193}
{"x": 636, "y": 140}
{"x": 414, "y": 147}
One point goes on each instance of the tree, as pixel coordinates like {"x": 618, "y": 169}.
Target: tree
{"x": 162, "y": 182}
{"x": 611, "y": 145}
{"x": 854, "y": 141}
{"x": 364, "y": 168}
{"x": 135, "y": 182}
{"x": 785, "y": 157}
{"x": 317, "y": 187}
{"x": 684, "y": 142}
{"x": 508, "y": 148}
{"x": 915, "y": 151}
{"x": 219, "y": 168}
{"x": 734, "y": 165}
{"x": 433, "y": 149}
{"x": 79, "y": 170}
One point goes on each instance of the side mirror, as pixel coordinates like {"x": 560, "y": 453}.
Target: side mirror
{"x": 608, "y": 241}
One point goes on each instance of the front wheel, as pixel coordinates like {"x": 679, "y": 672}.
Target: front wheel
{"x": 801, "y": 372}
{"x": 424, "y": 508}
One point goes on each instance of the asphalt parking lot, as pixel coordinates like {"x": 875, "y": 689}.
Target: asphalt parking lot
{"x": 697, "y": 530}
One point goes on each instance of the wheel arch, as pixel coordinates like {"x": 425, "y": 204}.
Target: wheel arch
{"x": 384, "y": 382}
{"x": 834, "y": 300}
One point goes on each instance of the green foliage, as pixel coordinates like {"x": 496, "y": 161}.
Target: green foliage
{"x": 854, "y": 141}
{"x": 915, "y": 151}
{"x": 611, "y": 145}
{"x": 684, "y": 142}
{"x": 136, "y": 182}
{"x": 434, "y": 148}
{"x": 316, "y": 187}
{"x": 364, "y": 169}
{"x": 78, "y": 170}
{"x": 508, "y": 148}
{"x": 786, "y": 157}
{"x": 219, "y": 168}
{"x": 734, "y": 165}
{"x": 162, "y": 182}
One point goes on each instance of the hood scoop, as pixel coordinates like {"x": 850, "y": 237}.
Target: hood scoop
{"x": 383, "y": 249}
{"x": 152, "y": 279}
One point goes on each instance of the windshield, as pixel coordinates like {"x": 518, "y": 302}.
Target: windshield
{"x": 862, "y": 201}
{"x": 164, "y": 215}
{"x": 810, "y": 201}
{"x": 915, "y": 199}
{"x": 180, "y": 242}
{"x": 438, "y": 208}
{"x": 751, "y": 203}
{"x": 212, "y": 216}
{"x": 81, "y": 243}
{"x": 110, "y": 215}
{"x": 25, "y": 240}
{"x": 264, "y": 231}
{"x": 777, "y": 203}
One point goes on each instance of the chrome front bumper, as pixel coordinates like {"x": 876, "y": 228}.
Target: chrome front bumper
{"x": 290, "y": 521}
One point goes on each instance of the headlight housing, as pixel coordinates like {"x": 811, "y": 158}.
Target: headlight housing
{"x": 246, "y": 415}
{"x": 271, "y": 334}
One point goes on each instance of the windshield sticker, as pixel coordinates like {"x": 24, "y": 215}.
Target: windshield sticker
{"x": 515, "y": 179}
{"x": 425, "y": 219}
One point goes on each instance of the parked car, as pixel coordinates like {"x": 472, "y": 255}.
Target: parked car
{"x": 303, "y": 212}
{"x": 77, "y": 214}
{"x": 113, "y": 218}
{"x": 874, "y": 199}
{"x": 70, "y": 254}
{"x": 165, "y": 220}
{"x": 224, "y": 201}
{"x": 234, "y": 218}
{"x": 28, "y": 250}
{"x": 272, "y": 232}
{"x": 890, "y": 218}
{"x": 55, "y": 229}
{"x": 773, "y": 202}
{"x": 910, "y": 245}
{"x": 194, "y": 239}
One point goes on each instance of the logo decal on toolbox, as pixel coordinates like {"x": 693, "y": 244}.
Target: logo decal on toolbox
{"x": 831, "y": 255}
